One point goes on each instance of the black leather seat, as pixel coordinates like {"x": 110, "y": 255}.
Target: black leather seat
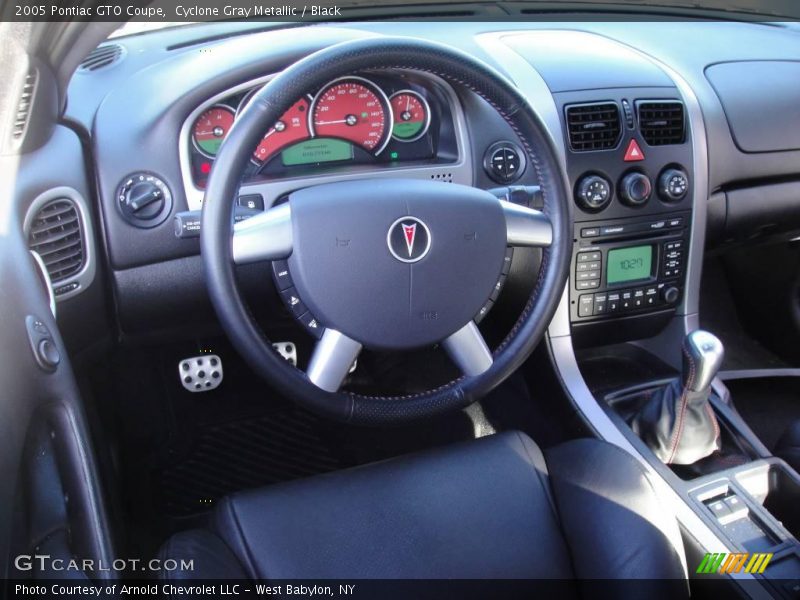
{"x": 492, "y": 508}
{"x": 788, "y": 447}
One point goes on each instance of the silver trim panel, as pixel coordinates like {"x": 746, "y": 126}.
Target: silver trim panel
{"x": 468, "y": 350}
{"x": 266, "y": 236}
{"x": 333, "y": 357}
{"x": 526, "y": 226}
{"x": 460, "y": 171}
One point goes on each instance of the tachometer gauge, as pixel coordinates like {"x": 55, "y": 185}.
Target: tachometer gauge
{"x": 411, "y": 115}
{"x": 291, "y": 127}
{"x": 210, "y": 129}
{"x": 353, "y": 109}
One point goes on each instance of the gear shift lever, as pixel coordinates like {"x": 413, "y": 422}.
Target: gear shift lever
{"x": 702, "y": 357}
{"x": 678, "y": 422}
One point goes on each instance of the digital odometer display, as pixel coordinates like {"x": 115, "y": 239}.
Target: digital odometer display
{"x": 317, "y": 150}
{"x": 629, "y": 264}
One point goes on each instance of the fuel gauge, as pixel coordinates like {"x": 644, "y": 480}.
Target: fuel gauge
{"x": 412, "y": 115}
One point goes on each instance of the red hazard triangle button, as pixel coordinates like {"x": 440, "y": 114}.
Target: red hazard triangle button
{"x": 633, "y": 153}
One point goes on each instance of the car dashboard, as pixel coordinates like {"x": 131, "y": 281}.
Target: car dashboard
{"x": 646, "y": 120}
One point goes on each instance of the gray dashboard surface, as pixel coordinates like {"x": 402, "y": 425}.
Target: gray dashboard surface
{"x": 135, "y": 110}
{"x": 760, "y": 122}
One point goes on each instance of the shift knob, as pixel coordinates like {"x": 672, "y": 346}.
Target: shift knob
{"x": 702, "y": 358}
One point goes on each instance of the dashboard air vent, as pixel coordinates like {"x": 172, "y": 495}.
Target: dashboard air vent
{"x": 55, "y": 235}
{"x": 100, "y": 57}
{"x": 24, "y": 105}
{"x": 661, "y": 122}
{"x": 593, "y": 126}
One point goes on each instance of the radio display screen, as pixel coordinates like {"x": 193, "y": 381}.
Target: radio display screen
{"x": 629, "y": 264}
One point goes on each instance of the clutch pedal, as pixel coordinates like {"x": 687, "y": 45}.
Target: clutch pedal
{"x": 200, "y": 373}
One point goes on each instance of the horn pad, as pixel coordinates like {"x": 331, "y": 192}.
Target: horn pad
{"x": 396, "y": 263}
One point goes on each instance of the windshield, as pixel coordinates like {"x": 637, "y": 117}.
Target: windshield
{"x": 240, "y": 10}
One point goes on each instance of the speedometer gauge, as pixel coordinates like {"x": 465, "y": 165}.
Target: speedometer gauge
{"x": 352, "y": 109}
{"x": 210, "y": 129}
{"x": 411, "y": 115}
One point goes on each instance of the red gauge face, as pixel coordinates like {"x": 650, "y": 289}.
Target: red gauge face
{"x": 210, "y": 129}
{"x": 355, "y": 110}
{"x": 290, "y": 128}
{"x": 411, "y": 116}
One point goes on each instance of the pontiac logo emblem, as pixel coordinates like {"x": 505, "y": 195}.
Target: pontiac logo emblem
{"x": 409, "y": 239}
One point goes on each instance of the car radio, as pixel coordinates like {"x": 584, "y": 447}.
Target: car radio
{"x": 628, "y": 266}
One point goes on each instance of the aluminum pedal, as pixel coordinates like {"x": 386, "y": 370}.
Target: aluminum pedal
{"x": 288, "y": 351}
{"x": 201, "y": 373}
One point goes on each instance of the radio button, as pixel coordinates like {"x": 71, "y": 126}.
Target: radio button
{"x": 626, "y": 300}
{"x": 651, "y": 296}
{"x": 588, "y": 285}
{"x": 588, "y": 266}
{"x": 586, "y": 305}
{"x": 585, "y": 275}
{"x": 638, "y": 298}
{"x": 590, "y": 232}
{"x": 613, "y": 302}
{"x": 600, "y": 304}
{"x": 588, "y": 256}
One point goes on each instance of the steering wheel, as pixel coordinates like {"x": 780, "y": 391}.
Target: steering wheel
{"x": 390, "y": 264}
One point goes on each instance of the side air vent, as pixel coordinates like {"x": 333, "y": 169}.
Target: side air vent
{"x": 55, "y": 234}
{"x": 593, "y": 126}
{"x": 101, "y": 57}
{"x": 661, "y": 122}
{"x": 24, "y": 105}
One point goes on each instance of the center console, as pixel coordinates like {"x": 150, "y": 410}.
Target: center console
{"x": 629, "y": 162}
{"x": 633, "y": 143}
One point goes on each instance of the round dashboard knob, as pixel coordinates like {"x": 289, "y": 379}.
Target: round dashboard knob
{"x": 593, "y": 192}
{"x": 635, "y": 189}
{"x": 673, "y": 184}
{"x": 670, "y": 294}
{"x": 144, "y": 200}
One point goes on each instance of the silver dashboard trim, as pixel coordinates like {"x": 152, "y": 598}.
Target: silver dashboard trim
{"x": 459, "y": 172}
{"x": 534, "y": 88}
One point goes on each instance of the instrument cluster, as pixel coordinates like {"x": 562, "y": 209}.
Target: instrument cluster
{"x": 357, "y": 119}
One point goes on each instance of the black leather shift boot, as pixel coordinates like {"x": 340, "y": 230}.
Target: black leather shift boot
{"x": 678, "y": 425}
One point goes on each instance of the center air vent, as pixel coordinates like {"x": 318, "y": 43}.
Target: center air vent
{"x": 102, "y": 56}
{"x": 593, "y": 126}
{"x": 55, "y": 234}
{"x": 661, "y": 122}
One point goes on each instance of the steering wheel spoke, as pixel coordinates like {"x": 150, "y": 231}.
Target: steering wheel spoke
{"x": 526, "y": 226}
{"x": 467, "y": 348}
{"x": 267, "y": 236}
{"x": 332, "y": 359}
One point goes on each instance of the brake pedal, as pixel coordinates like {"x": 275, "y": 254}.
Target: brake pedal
{"x": 288, "y": 351}
{"x": 201, "y": 373}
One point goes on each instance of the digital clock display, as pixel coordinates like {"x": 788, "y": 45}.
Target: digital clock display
{"x": 629, "y": 264}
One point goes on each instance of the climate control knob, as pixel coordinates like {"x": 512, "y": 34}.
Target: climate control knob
{"x": 635, "y": 189}
{"x": 673, "y": 185}
{"x": 593, "y": 192}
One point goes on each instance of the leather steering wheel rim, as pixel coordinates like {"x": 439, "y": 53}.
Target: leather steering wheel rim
{"x": 265, "y": 108}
